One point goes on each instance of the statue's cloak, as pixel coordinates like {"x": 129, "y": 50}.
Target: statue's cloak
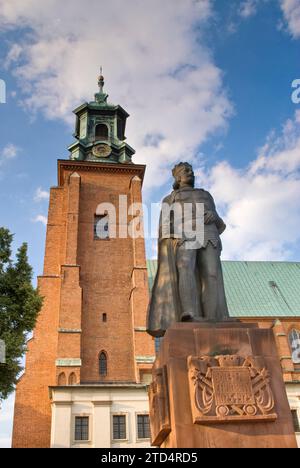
{"x": 164, "y": 306}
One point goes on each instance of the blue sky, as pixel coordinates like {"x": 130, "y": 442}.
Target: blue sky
{"x": 212, "y": 79}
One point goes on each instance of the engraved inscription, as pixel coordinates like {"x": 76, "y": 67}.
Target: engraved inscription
{"x": 232, "y": 386}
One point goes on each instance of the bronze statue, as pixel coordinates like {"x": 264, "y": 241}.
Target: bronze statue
{"x": 189, "y": 281}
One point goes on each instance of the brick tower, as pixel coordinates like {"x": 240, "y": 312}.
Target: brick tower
{"x": 91, "y": 330}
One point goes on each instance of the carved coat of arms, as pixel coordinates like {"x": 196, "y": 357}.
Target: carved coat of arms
{"x": 227, "y": 388}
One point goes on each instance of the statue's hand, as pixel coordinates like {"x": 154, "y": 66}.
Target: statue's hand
{"x": 210, "y": 217}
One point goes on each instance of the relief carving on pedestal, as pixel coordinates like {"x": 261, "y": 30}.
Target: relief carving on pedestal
{"x": 159, "y": 407}
{"x": 229, "y": 388}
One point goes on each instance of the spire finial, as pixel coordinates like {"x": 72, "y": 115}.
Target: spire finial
{"x": 101, "y": 81}
{"x": 101, "y": 96}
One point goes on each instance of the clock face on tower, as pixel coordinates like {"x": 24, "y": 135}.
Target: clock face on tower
{"x": 102, "y": 151}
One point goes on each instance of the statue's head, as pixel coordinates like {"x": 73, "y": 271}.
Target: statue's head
{"x": 184, "y": 176}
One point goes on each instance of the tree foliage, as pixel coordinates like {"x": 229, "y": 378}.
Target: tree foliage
{"x": 20, "y": 304}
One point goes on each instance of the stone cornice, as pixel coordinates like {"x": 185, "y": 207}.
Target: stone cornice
{"x": 88, "y": 166}
{"x": 82, "y": 386}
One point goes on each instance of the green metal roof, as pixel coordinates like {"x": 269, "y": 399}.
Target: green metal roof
{"x": 257, "y": 289}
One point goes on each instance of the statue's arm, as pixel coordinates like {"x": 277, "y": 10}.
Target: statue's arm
{"x": 164, "y": 221}
{"x": 221, "y": 226}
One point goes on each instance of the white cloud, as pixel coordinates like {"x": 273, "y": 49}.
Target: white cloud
{"x": 261, "y": 202}
{"x": 291, "y": 11}
{"x": 41, "y": 194}
{"x": 13, "y": 55}
{"x": 155, "y": 61}
{"x": 40, "y": 219}
{"x": 248, "y": 8}
{"x": 10, "y": 151}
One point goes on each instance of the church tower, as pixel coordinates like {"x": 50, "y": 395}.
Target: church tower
{"x": 90, "y": 357}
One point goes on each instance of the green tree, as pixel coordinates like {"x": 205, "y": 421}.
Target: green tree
{"x": 20, "y": 304}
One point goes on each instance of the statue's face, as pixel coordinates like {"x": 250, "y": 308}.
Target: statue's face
{"x": 186, "y": 177}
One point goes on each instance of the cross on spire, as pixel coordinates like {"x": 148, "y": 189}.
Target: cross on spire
{"x": 101, "y": 96}
{"x": 101, "y": 81}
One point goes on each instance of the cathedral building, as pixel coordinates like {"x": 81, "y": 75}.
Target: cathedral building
{"x": 89, "y": 362}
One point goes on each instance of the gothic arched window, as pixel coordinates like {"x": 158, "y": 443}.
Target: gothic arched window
{"x": 101, "y": 132}
{"x": 62, "y": 379}
{"x": 72, "y": 379}
{"x": 103, "y": 364}
{"x": 294, "y": 341}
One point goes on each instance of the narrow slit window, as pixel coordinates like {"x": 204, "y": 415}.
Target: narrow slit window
{"x": 103, "y": 364}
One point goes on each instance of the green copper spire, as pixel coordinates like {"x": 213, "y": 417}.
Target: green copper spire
{"x": 101, "y": 97}
{"x": 100, "y": 131}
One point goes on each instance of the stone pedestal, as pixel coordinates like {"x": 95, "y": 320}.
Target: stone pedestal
{"x": 219, "y": 385}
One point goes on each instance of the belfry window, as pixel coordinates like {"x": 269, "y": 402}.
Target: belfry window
{"x": 120, "y": 129}
{"x": 101, "y": 132}
{"x": 103, "y": 364}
